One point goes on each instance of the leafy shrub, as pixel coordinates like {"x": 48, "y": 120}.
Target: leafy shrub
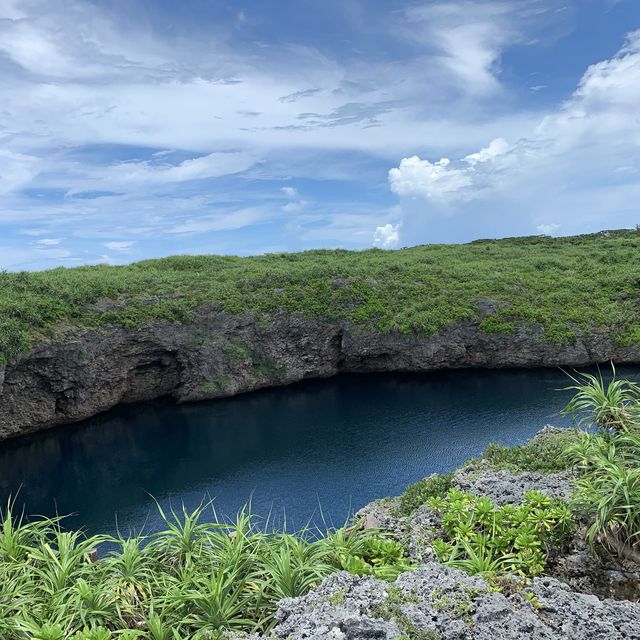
{"x": 195, "y": 579}
{"x": 417, "y": 494}
{"x": 483, "y": 538}
{"x": 544, "y": 454}
{"x": 608, "y": 489}
{"x": 609, "y": 406}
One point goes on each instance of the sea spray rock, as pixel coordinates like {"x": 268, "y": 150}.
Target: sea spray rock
{"x": 437, "y": 602}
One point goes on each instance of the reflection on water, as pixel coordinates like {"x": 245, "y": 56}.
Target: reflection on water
{"x": 337, "y": 443}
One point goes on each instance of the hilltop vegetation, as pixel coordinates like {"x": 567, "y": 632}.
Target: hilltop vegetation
{"x": 566, "y": 285}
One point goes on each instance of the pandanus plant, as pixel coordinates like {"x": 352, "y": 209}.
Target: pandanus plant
{"x": 610, "y": 406}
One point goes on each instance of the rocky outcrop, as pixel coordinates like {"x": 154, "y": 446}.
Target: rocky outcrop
{"x": 505, "y": 487}
{"x": 434, "y": 602}
{"x": 82, "y": 372}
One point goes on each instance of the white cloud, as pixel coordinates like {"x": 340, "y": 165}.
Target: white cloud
{"x": 17, "y": 170}
{"x": 146, "y": 173}
{"x": 469, "y": 37}
{"x": 115, "y": 245}
{"x": 421, "y": 178}
{"x": 9, "y": 10}
{"x": 548, "y": 229}
{"x": 290, "y": 192}
{"x": 294, "y": 206}
{"x": 574, "y": 154}
{"x": 223, "y": 221}
{"x": 447, "y": 181}
{"x": 386, "y": 236}
{"x": 47, "y": 242}
{"x": 497, "y": 147}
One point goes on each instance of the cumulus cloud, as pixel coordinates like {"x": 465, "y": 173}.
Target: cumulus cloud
{"x": 387, "y": 236}
{"x": 444, "y": 180}
{"x": 420, "y": 178}
{"x": 576, "y": 152}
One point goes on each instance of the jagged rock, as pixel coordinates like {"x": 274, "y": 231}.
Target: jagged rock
{"x": 421, "y": 528}
{"x": 606, "y": 576}
{"x": 438, "y": 602}
{"x": 379, "y": 514}
{"x": 84, "y": 371}
{"x": 505, "y": 487}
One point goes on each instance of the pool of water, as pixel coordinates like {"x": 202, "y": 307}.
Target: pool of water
{"x": 315, "y": 451}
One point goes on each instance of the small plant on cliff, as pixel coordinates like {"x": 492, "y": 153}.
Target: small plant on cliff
{"x": 417, "y": 494}
{"x": 544, "y": 454}
{"x": 481, "y": 537}
{"x": 609, "y": 405}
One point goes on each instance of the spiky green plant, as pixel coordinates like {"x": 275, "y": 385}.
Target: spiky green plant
{"x": 197, "y": 578}
{"x": 609, "y": 405}
{"x": 608, "y": 489}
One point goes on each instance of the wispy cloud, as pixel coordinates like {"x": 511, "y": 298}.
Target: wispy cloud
{"x": 116, "y": 130}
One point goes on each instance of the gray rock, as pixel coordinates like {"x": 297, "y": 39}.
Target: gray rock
{"x": 83, "y": 372}
{"x": 379, "y": 514}
{"x": 437, "y": 602}
{"x": 506, "y": 487}
{"x": 606, "y": 576}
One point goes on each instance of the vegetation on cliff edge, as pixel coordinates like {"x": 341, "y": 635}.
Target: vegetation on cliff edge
{"x": 565, "y": 285}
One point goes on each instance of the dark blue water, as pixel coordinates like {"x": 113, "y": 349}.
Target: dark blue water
{"x": 334, "y": 444}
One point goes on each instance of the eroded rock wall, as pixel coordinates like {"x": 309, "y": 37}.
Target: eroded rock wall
{"x": 83, "y": 372}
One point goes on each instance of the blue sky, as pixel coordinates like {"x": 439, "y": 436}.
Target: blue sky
{"x": 142, "y": 128}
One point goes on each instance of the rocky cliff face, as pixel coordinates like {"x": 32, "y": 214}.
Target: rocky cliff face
{"x": 83, "y": 372}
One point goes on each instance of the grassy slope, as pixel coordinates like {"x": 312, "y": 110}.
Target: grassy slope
{"x": 564, "y": 284}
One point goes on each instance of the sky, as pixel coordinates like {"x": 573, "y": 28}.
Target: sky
{"x": 133, "y": 129}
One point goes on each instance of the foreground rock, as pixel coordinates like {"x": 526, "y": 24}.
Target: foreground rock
{"x": 83, "y": 372}
{"x": 435, "y": 602}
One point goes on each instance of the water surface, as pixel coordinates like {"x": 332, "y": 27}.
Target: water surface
{"x": 332, "y": 444}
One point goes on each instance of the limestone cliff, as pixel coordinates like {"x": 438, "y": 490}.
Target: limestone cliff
{"x": 83, "y": 372}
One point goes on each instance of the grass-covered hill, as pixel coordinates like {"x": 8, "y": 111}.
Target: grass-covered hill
{"x": 566, "y": 285}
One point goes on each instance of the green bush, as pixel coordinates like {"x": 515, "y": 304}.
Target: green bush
{"x": 608, "y": 489}
{"x": 544, "y": 454}
{"x": 417, "y": 494}
{"x": 483, "y": 538}
{"x": 195, "y": 579}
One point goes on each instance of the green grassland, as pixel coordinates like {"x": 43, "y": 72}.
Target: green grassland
{"x": 566, "y": 285}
